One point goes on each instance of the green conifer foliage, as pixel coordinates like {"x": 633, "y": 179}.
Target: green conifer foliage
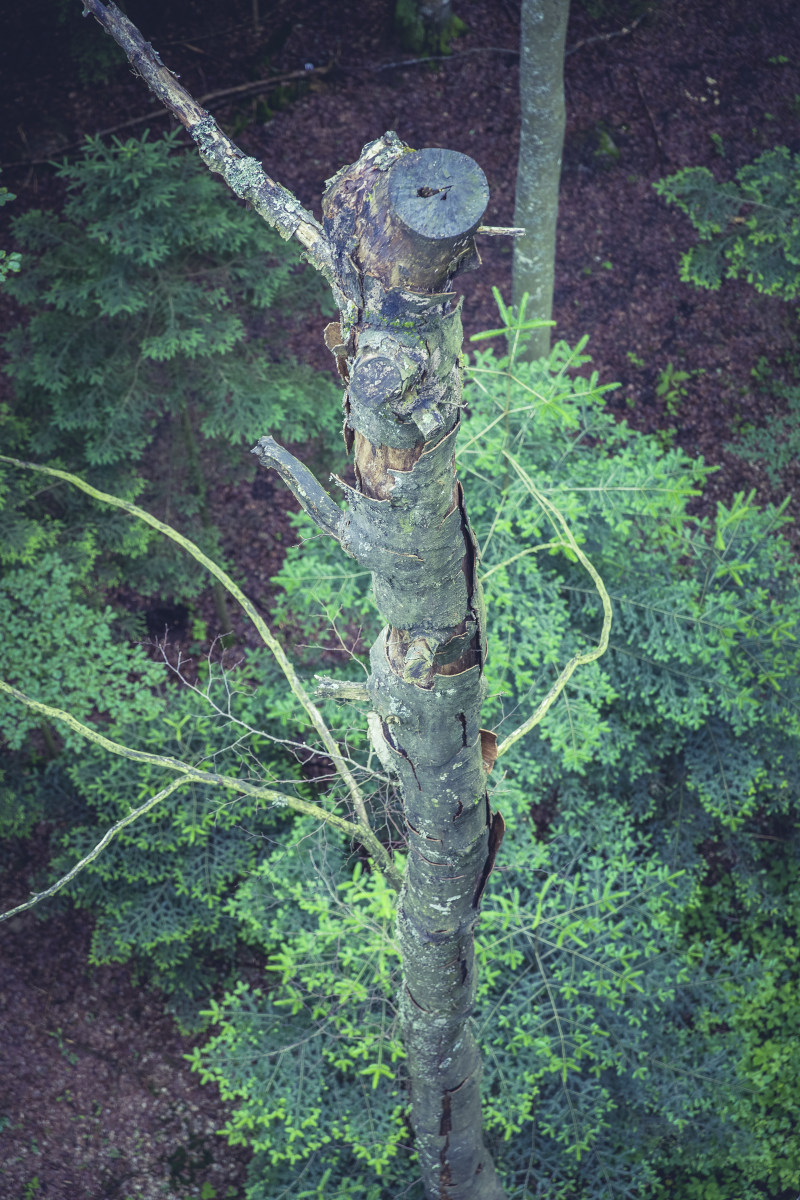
{"x": 159, "y": 890}
{"x": 9, "y": 263}
{"x": 749, "y": 227}
{"x": 639, "y": 973}
{"x": 151, "y": 345}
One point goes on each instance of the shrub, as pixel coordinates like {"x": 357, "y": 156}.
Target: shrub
{"x": 749, "y": 228}
{"x": 152, "y": 346}
{"x": 624, "y": 1033}
{"x": 637, "y": 995}
{"x": 157, "y": 892}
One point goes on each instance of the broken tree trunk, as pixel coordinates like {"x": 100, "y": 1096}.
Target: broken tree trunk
{"x": 398, "y": 225}
{"x": 403, "y": 222}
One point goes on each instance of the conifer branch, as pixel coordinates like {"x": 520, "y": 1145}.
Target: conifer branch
{"x": 266, "y": 635}
{"x": 578, "y": 660}
{"x": 190, "y": 774}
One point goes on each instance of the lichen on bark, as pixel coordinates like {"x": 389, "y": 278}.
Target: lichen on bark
{"x": 397, "y": 246}
{"x": 406, "y": 224}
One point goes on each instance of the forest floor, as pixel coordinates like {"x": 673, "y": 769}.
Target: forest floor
{"x": 96, "y": 1100}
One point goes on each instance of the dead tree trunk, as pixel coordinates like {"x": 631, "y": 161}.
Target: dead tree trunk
{"x": 398, "y": 226}
{"x": 414, "y": 216}
{"x": 403, "y": 225}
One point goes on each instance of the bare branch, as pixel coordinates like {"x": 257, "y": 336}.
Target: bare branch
{"x": 577, "y": 660}
{"x": 245, "y": 176}
{"x": 245, "y": 91}
{"x": 266, "y": 635}
{"x": 326, "y": 515}
{"x": 189, "y": 772}
{"x": 96, "y": 850}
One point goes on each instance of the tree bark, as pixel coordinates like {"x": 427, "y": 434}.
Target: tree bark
{"x": 406, "y": 221}
{"x": 398, "y": 226}
{"x": 414, "y": 216}
{"x": 543, "y": 119}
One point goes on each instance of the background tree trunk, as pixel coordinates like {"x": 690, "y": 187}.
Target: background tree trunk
{"x": 424, "y": 25}
{"x": 543, "y": 118}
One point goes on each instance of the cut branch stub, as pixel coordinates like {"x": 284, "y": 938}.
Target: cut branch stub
{"x": 423, "y": 230}
{"x": 416, "y": 224}
{"x": 297, "y": 477}
{"x": 402, "y": 225}
{"x": 382, "y": 377}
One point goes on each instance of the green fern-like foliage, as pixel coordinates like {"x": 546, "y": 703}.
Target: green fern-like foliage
{"x": 686, "y": 734}
{"x": 150, "y": 344}
{"x": 776, "y": 444}
{"x": 157, "y": 892}
{"x": 578, "y": 978}
{"x": 703, "y": 609}
{"x": 322, "y": 1089}
{"x": 631, "y": 1009}
{"x": 9, "y": 263}
{"x": 752, "y": 934}
{"x": 61, "y": 647}
{"x": 64, "y": 652}
{"x": 638, "y": 984}
{"x": 749, "y": 228}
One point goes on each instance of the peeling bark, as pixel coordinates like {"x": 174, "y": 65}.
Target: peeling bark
{"x": 402, "y": 223}
{"x": 408, "y": 220}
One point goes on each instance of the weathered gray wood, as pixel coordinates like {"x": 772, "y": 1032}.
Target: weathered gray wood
{"x": 408, "y": 221}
